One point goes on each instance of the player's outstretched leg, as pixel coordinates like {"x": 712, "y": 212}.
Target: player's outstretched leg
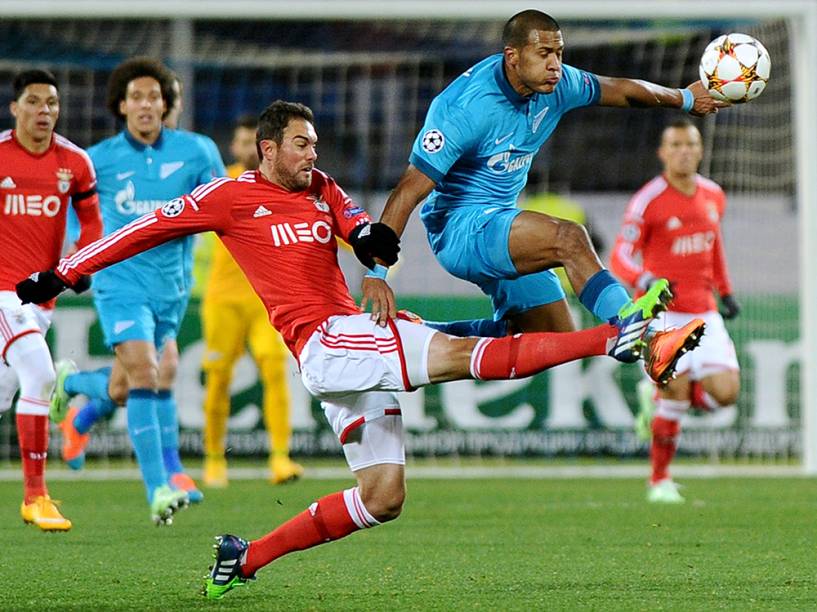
{"x": 225, "y": 573}
{"x": 60, "y": 397}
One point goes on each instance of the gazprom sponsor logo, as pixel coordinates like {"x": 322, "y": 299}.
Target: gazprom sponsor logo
{"x": 127, "y": 204}
{"x": 501, "y": 163}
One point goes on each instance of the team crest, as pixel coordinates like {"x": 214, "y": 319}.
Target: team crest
{"x": 712, "y": 213}
{"x": 64, "y": 178}
{"x": 319, "y": 203}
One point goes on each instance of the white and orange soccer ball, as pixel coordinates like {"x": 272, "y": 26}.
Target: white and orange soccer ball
{"x": 735, "y": 68}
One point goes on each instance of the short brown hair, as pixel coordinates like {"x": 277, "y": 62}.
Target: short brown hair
{"x": 275, "y": 118}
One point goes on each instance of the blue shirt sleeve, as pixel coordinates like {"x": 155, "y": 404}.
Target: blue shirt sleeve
{"x": 445, "y": 137}
{"x": 215, "y": 157}
{"x": 577, "y": 88}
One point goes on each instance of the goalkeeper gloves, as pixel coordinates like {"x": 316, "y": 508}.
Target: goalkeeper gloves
{"x": 729, "y": 307}
{"x": 40, "y": 287}
{"x": 375, "y": 240}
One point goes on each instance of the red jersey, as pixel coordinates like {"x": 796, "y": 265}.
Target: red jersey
{"x": 34, "y": 193}
{"x": 285, "y": 242}
{"x": 678, "y": 238}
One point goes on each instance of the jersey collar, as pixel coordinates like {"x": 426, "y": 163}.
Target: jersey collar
{"x": 139, "y": 146}
{"x": 505, "y": 87}
{"x": 27, "y": 152}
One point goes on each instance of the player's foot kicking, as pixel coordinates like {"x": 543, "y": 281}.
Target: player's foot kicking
{"x": 215, "y": 472}
{"x": 182, "y": 482}
{"x": 283, "y": 469}
{"x": 665, "y": 348}
{"x": 634, "y": 319}
{"x": 225, "y": 573}
{"x": 43, "y": 513}
{"x": 165, "y": 502}
{"x": 59, "y": 398}
{"x": 664, "y": 492}
{"x": 73, "y": 442}
{"x": 645, "y": 390}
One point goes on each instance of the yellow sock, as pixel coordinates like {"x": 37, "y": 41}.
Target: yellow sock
{"x": 276, "y": 405}
{"x": 216, "y": 412}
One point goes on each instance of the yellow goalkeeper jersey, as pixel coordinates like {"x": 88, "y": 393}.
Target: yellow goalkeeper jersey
{"x": 225, "y": 281}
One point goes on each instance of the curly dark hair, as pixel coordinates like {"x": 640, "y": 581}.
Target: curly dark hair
{"x": 275, "y": 118}
{"x": 135, "y": 68}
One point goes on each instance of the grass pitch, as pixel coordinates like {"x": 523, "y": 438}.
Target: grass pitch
{"x": 736, "y": 544}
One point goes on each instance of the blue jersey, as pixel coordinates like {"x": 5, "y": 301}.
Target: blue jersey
{"x": 134, "y": 179}
{"x": 480, "y": 136}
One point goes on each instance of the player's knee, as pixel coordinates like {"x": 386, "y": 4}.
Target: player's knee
{"x": 384, "y": 501}
{"x": 143, "y": 375}
{"x": 572, "y": 240}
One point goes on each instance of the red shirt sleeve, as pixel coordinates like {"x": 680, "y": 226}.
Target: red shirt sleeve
{"x": 720, "y": 271}
{"x": 346, "y": 214}
{"x": 206, "y": 208}
{"x": 624, "y": 261}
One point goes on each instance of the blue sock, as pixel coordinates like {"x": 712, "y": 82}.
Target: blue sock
{"x": 169, "y": 422}
{"x": 143, "y": 428}
{"x": 486, "y": 328}
{"x": 603, "y": 295}
{"x": 91, "y": 412}
{"x": 93, "y": 383}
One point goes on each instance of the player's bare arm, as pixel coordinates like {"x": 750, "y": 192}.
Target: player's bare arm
{"x": 413, "y": 188}
{"x": 635, "y": 93}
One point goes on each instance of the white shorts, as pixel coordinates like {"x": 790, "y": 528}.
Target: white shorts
{"x": 355, "y": 367}
{"x": 18, "y": 319}
{"x": 716, "y": 353}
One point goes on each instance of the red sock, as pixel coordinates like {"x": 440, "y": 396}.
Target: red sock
{"x": 664, "y": 436}
{"x": 324, "y": 521}
{"x": 523, "y": 355}
{"x": 32, "y": 433}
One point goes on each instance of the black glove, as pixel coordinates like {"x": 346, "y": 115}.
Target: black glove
{"x": 729, "y": 307}
{"x": 40, "y": 287}
{"x": 375, "y": 240}
{"x": 83, "y": 284}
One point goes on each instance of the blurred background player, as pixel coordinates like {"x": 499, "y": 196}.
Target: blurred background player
{"x": 39, "y": 172}
{"x": 233, "y": 318}
{"x": 140, "y": 301}
{"x": 470, "y": 162}
{"x": 671, "y": 229}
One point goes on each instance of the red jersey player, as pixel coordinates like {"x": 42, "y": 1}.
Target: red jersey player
{"x": 673, "y": 224}
{"x": 280, "y": 223}
{"x": 40, "y": 172}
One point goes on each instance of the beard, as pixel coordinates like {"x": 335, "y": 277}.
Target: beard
{"x": 293, "y": 181}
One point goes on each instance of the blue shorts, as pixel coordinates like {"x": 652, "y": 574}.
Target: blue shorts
{"x": 473, "y": 245}
{"x": 125, "y": 318}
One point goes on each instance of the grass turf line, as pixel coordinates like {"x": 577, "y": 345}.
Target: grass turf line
{"x": 736, "y": 544}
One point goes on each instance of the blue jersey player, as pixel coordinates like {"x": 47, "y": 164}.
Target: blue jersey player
{"x": 140, "y": 302}
{"x": 470, "y": 162}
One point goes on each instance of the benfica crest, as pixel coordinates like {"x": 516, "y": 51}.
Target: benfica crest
{"x": 64, "y": 178}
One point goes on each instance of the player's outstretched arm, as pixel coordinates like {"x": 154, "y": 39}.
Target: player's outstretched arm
{"x": 635, "y": 93}
{"x": 412, "y": 188}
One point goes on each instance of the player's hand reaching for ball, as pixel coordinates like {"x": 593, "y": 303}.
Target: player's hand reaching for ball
{"x": 40, "y": 287}
{"x": 704, "y": 104}
{"x": 378, "y": 294}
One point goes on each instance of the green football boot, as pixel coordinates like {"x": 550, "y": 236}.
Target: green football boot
{"x": 225, "y": 573}
{"x": 634, "y": 318}
{"x": 645, "y": 390}
{"x": 59, "y": 398}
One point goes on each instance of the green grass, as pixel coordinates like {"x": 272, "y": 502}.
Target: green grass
{"x": 460, "y": 545}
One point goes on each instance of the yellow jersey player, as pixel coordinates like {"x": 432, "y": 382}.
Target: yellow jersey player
{"x": 233, "y": 317}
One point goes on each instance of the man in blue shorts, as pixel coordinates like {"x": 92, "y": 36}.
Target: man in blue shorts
{"x": 470, "y": 162}
{"x": 140, "y": 302}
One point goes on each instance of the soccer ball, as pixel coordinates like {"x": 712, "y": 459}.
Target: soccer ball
{"x": 735, "y": 68}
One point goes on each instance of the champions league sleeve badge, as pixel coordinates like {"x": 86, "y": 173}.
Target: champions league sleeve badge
{"x": 173, "y": 208}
